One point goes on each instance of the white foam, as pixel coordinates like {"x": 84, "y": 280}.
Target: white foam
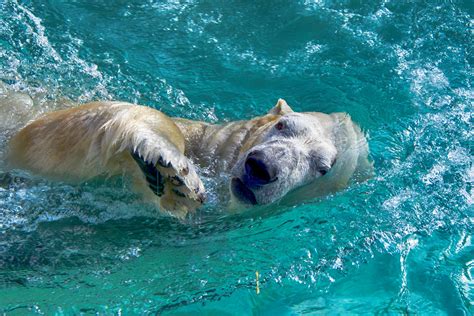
{"x": 39, "y": 33}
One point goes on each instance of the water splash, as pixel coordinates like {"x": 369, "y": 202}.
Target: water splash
{"x": 373, "y": 247}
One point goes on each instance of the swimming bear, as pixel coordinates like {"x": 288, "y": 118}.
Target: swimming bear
{"x": 310, "y": 153}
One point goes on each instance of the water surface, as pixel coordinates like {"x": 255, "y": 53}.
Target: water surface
{"x": 399, "y": 243}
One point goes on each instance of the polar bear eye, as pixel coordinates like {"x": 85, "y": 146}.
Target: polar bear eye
{"x": 279, "y": 126}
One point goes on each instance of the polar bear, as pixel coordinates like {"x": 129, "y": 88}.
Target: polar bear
{"x": 309, "y": 153}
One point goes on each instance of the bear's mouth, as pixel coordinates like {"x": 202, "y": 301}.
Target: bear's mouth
{"x": 241, "y": 192}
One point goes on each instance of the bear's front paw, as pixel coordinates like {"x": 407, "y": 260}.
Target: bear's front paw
{"x": 175, "y": 181}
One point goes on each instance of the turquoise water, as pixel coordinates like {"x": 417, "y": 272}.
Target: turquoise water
{"x": 399, "y": 243}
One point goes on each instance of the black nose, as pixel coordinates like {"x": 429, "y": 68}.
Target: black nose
{"x": 258, "y": 171}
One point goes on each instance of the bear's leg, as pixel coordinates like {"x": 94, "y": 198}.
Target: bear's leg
{"x": 112, "y": 138}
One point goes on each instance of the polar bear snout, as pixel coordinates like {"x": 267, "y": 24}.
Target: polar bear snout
{"x": 259, "y": 170}
{"x": 264, "y": 174}
{"x": 242, "y": 192}
{"x": 254, "y": 175}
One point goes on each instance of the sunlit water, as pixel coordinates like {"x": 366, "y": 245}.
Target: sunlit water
{"x": 398, "y": 243}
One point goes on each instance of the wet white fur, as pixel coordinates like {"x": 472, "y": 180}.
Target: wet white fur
{"x": 97, "y": 138}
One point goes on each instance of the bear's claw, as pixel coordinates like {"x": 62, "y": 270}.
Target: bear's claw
{"x": 179, "y": 187}
{"x": 178, "y": 193}
{"x": 153, "y": 177}
{"x": 177, "y": 181}
{"x": 163, "y": 164}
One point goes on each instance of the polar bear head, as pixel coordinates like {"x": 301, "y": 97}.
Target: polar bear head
{"x": 289, "y": 150}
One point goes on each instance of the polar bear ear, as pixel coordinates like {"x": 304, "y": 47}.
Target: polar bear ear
{"x": 281, "y": 108}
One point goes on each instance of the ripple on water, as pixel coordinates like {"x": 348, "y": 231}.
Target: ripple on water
{"x": 371, "y": 248}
